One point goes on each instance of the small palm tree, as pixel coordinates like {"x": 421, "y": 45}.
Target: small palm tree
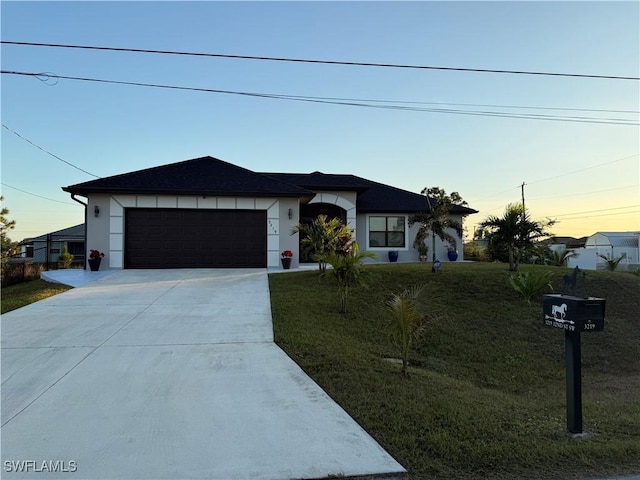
{"x": 514, "y": 231}
{"x": 436, "y": 219}
{"x": 559, "y": 258}
{"x": 529, "y": 284}
{"x": 320, "y": 238}
{"x": 407, "y": 323}
{"x": 347, "y": 264}
{"x": 612, "y": 263}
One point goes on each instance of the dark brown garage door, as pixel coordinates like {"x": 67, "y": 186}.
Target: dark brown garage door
{"x": 183, "y": 238}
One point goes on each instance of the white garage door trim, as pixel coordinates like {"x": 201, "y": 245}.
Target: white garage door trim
{"x": 119, "y": 202}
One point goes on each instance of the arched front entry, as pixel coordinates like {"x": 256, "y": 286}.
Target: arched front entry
{"x": 310, "y": 212}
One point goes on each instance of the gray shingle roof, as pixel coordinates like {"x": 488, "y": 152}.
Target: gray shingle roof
{"x": 75, "y": 232}
{"x": 213, "y": 177}
{"x": 373, "y": 197}
{"x": 199, "y": 176}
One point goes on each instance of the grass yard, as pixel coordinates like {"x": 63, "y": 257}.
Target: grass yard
{"x": 486, "y": 393}
{"x": 16, "y": 296}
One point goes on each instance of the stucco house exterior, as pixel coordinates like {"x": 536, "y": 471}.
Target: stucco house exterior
{"x": 614, "y": 245}
{"x": 610, "y": 244}
{"x": 206, "y": 212}
{"x": 47, "y": 247}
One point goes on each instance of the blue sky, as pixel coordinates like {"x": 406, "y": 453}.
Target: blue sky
{"x": 583, "y": 174}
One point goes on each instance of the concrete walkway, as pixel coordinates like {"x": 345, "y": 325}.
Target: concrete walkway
{"x": 154, "y": 374}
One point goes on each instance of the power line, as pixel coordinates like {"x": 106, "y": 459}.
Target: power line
{"x": 517, "y": 187}
{"x": 324, "y": 62}
{"x": 594, "y": 211}
{"x": 583, "y": 169}
{"x": 601, "y": 215}
{"x": 39, "y": 196}
{"x": 607, "y": 121}
{"x": 587, "y": 193}
{"x": 48, "y": 152}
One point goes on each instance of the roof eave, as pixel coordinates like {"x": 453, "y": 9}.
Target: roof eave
{"x": 192, "y": 193}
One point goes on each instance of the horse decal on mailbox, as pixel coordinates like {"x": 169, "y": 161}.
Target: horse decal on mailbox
{"x": 559, "y": 311}
{"x": 558, "y": 314}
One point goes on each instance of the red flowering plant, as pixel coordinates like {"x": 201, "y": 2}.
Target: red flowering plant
{"x": 95, "y": 254}
{"x": 287, "y": 254}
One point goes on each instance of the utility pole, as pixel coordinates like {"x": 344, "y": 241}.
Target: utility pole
{"x": 524, "y": 212}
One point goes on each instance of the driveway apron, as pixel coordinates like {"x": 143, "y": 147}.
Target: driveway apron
{"x": 167, "y": 374}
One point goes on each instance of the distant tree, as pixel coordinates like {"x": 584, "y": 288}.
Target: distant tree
{"x": 320, "y": 238}
{"x": 7, "y": 245}
{"x": 436, "y": 219}
{"x": 515, "y": 232}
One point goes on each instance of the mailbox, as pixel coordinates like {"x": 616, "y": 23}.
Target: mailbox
{"x": 574, "y": 314}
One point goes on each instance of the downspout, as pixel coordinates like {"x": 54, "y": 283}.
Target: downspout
{"x": 73, "y": 197}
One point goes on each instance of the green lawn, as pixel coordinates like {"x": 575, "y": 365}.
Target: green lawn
{"x": 16, "y": 296}
{"x": 486, "y": 395}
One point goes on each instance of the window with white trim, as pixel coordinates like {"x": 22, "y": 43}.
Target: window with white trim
{"x": 387, "y": 231}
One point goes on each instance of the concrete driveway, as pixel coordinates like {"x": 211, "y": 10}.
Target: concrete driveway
{"x": 154, "y": 374}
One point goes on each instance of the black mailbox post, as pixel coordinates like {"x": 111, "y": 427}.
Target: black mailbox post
{"x": 573, "y": 315}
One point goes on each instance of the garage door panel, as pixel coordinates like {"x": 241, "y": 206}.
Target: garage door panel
{"x": 184, "y": 238}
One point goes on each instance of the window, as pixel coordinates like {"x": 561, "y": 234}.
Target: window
{"x": 386, "y": 232}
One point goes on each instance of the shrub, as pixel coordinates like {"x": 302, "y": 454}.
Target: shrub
{"x": 64, "y": 258}
{"x": 474, "y": 251}
{"x": 529, "y": 284}
{"x": 14, "y": 273}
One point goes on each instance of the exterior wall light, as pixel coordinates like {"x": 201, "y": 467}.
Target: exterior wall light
{"x": 96, "y": 211}
{"x": 290, "y": 213}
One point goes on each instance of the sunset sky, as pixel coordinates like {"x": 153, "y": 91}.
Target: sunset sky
{"x": 576, "y": 149}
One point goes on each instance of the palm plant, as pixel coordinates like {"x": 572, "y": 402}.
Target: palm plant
{"x": 436, "y": 219}
{"x": 612, "y": 263}
{"x": 515, "y": 231}
{"x": 320, "y": 238}
{"x": 559, "y": 258}
{"x": 529, "y": 284}
{"x": 347, "y": 264}
{"x": 407, "y": 323}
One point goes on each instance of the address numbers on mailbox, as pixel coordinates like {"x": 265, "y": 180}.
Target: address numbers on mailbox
{"x": 574, "y": 314}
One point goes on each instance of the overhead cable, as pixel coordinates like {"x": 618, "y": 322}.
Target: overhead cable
{"x": 529, "y": 116}
{"x": 39, "y": 196}
{"x": 48, "y": 152}
{"x": 324, "y": 62}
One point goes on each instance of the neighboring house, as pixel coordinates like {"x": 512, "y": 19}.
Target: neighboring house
{"x": 47, "y": 247}
{"x": 209, "y": 213}
{"x": 565, "y": 243}
{"x": 584, "y": 259}
{"x": 613, "y": 245}
{"x": 610, "y": 244}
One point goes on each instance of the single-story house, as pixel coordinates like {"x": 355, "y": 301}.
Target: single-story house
{"x": 565, "y": 243}
{"x": 206, "y": 212}
{"x": 47, "y": 247}
{"x": 614, "y": 245}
